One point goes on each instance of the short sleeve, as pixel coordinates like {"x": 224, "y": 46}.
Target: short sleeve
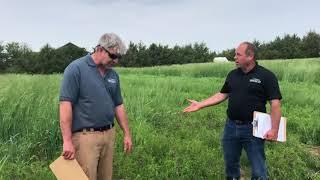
{"x": 226, "y": 88}
{"x": 69, "y": 89}
{"x": 272, "y": 87}
{"x": 117, "y": 96}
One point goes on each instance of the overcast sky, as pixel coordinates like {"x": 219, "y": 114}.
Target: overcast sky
{"x": 220, "y": 24}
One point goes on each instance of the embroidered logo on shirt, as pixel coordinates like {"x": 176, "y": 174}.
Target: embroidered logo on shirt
{"x": 113, "y": 81}
{"x": 255, "y": 80}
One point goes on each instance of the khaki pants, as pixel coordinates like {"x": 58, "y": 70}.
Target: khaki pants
{"x": 94, "y": 152}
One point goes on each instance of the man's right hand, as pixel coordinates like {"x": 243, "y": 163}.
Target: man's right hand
{"x": 194, "y": 106}
{"x": 68, "y": 150}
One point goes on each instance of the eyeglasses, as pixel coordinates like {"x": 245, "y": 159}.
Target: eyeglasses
{"x": 112, "y": 56}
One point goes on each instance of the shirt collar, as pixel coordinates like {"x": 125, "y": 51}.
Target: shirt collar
{"x": 90, "y": 61}
{"x": 251, "y": 71}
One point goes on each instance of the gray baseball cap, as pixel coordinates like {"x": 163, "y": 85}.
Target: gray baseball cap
{"x": 111, "y": 40}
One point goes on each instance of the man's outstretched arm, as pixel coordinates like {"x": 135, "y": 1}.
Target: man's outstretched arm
{"x": 213, "y": 100}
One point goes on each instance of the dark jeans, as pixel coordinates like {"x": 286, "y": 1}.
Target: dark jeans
{"x": 235, "y": 138}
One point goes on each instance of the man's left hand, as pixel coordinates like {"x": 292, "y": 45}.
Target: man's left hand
{"x": 127, "y": 144}
{"x": 271, "y": 135}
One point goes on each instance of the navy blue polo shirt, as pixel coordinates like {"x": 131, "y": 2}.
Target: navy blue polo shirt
{"x": 93, "y": 96}
{"x": 249, "y": 92}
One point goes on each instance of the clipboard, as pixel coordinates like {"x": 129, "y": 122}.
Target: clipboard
{"x": 262, "y": 123}
{"x": 67, "y": 169}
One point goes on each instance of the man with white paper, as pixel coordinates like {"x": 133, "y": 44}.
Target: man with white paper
{"x": 262, "y": 123}
{"x": 247, "y": 88}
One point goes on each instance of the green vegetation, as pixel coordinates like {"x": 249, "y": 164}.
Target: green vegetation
{"x": 19, "y": 58}
{"x": 167, "y": 143}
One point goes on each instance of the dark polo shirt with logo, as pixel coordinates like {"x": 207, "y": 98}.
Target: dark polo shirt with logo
{"x": 92, "y": 95}
{"x": 249, "y": 92}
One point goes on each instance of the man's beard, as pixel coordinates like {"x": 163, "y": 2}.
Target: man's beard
{"x": 109, "y": 65}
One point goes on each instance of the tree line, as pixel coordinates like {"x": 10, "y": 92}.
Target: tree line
{"x": 286, "y": 47}
{"x": 19, "y": 58}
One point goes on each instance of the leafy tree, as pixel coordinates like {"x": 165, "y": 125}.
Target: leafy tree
{"x": 202, "y": 53}
{"x": 2, "y": 58}
{"x": 65, "y": 55}
{"x": 311, "y": 44}
{"x": 130, "y": 59}
{"x": 229, "y": 54}
{"x": 46, "y": 60}
{"x": 17, "y": 55}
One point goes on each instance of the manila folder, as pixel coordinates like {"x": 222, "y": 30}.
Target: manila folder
{"x": 67, "y": 169}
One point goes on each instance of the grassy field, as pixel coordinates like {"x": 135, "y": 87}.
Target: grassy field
{"x": 167, "y": 143}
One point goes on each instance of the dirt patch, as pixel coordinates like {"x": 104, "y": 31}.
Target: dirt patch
{"x": 314, "y": 150}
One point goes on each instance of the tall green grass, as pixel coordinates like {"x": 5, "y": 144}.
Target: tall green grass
{"x": 295, "y": 70}
{"x": 167, "y": 143}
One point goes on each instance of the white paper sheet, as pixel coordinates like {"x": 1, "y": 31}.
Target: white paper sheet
{"x": 262, "y": 123}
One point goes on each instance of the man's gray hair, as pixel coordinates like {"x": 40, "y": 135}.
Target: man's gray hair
{"x": 251, "y": 49}
{"x": 111, "y": 40}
